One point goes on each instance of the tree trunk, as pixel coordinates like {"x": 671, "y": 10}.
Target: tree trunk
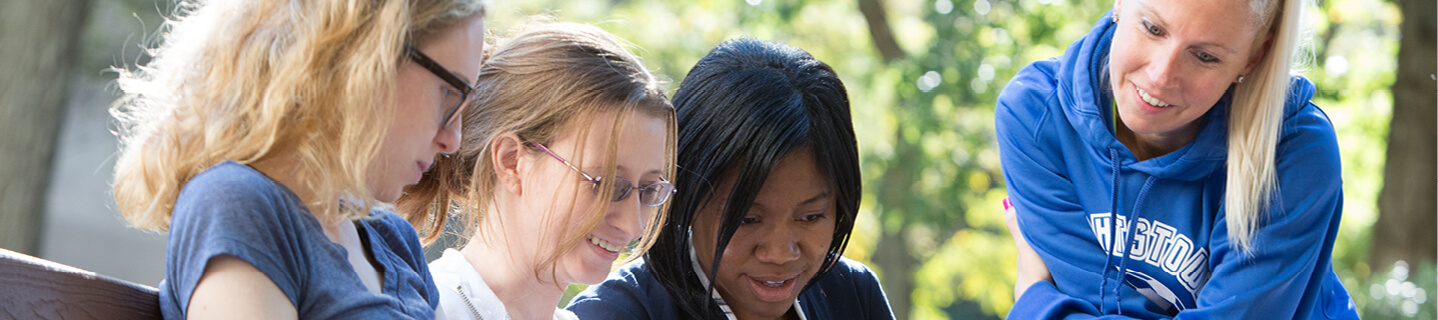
{"x": 891, "y": 256}
{"x": 880, "y": 31}
{"x": 1406, "y": 206}
{"x": 37, "y": 46}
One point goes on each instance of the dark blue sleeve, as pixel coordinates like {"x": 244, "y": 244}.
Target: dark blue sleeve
{"x": 232, "y": 210}
{"x": 1036, "y": 182}
{"x": 872, "y": 300}
{"x": 624, "y": 295}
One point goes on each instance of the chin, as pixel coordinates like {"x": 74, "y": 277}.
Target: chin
{"x": 388, "y": 196}
{"x": 775, "y": 312}
{"x": 591, "y": 275}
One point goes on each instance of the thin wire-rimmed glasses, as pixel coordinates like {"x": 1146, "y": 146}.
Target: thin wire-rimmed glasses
{"x": 650, "y": 195}
{"x": 460, "y": 85}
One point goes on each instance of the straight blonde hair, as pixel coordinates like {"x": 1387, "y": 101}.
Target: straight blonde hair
{"x": 540, "y": 84}
{"x": 245, "y": 80}
{"x": 1255, "y": 118}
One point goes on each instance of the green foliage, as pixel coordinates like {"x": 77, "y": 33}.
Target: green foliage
{"x": 925, "y": 121}
{"x": 1400, "y": 293}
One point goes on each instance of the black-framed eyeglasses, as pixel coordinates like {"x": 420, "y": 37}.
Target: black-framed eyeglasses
{"x": 650, "y": 195}
{"x": 464, "y": 88}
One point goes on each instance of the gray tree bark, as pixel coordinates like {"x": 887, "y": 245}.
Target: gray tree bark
{"x": 892, "y": 254}
{"x": 1406, "y": 205}
{"x": 37, "y": 47}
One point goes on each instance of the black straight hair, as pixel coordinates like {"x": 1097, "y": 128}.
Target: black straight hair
{"x": 742, "y": 108}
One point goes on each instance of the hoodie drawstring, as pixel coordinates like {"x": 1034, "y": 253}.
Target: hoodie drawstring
{"x": 1112, "y": 226}
{"x": 1128, "y": 236}
{"x": 1128, "y": 239}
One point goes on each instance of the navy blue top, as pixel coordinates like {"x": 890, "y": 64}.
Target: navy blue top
{"x": 1078, "y": 191}
{"x": 849, "y": 291}
{"x": 232, "y": 209}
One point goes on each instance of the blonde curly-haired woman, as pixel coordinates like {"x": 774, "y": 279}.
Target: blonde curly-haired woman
{"x": 262, "y": 132}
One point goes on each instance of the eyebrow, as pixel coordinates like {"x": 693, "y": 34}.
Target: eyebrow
{"x": 1143, "y": 6}
{"x": 820, "y": 197}
{"x": 655, "y": 171}
{"x": 817, "y": 198}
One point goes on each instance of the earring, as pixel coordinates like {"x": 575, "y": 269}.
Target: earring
{"x": 1115, "y": 17}
{"x": 1240, "y": 79}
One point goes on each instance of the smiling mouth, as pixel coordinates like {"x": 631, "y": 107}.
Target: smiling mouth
{"x": 611, "y": 247}
{"x": 1151, "y": 100}
{"x": 772, "y": 289}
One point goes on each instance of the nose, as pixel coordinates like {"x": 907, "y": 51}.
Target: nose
{"x": 449, "y": 135}
{"x": 1163, "y": 68}
{"x": 628, "y": 216}
{"x": 778, "y": 245}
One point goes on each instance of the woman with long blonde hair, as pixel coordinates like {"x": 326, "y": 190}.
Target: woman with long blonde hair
{"x": 262, "y": 132}
{"x": 568, "y": 149}
{"x": 1170, "y": 165}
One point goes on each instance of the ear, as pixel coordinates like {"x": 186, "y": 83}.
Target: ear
{"x": 1117, "y": 5}
{"x": 507, "y": 153}
{"x": 1258, "y": 54}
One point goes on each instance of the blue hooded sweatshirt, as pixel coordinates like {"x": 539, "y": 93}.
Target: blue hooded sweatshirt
{"x": 1076, "y": 187}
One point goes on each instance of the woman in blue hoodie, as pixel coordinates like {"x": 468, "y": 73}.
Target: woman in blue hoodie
{"x": 1175, "y": 130}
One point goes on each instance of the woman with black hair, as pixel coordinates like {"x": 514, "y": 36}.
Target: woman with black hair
{"x": 770, "y": 176}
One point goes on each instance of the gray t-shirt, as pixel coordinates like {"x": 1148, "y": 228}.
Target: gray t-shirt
{"x": 232, "y": 209}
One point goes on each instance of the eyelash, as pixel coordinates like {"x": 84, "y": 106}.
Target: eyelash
{"x": 1205, "y": 57}
{"x": 1153, "y": 30}
{"x": 803, "y": 218}
{"x": 1150, "y": 28}
{"x": 816, "y": 217}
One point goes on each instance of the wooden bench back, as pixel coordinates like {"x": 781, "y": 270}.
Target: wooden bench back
{"x": 34, "y": 288}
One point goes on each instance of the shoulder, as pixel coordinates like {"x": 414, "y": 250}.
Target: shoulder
{"x": 451, "y": 269}
{"x": 463, "y": 294}
{"x": 852, "y": 274}
{"x": 229, "y": 180}
{"x": 850, "y": 288}
{"x": 1028, "y": 99}
{"x": 1307, "y": 139}
{"x": 237, "y": 195}
{"x": 1035, "y": 83}
{"x": 233, "y": 202}
{"x": 631, "y": 292}
{"x": 565, "y": 314}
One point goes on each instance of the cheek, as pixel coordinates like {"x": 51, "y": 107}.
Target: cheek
{"x": 817, "y": 238}
{"x": 1126, "y": 53}
{"x": 705, "y": 228}
{"x": 703, "y": 237}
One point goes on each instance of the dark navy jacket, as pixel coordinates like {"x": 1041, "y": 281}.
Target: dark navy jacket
{"x": 849, "y": 291}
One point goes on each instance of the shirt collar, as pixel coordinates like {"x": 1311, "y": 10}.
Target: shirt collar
{"x": 714, "y": 294}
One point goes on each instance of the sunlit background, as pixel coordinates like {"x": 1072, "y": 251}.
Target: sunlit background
{"x": 922, "y": 78}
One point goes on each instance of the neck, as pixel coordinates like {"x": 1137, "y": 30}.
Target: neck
{"x": 1149, "y": 146}
{"x": 788, "y": 315}
{"x": 524, "y": 294}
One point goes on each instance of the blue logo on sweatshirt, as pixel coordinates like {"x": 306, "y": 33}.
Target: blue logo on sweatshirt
{"x": 1162, "y": 248}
